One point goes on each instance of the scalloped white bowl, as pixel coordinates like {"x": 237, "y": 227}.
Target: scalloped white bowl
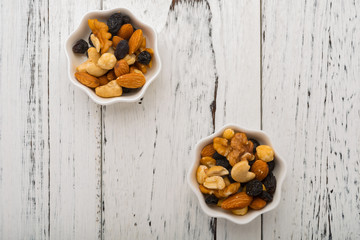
{"x": 83, "y": 32}
{"x": 214, "y": 211}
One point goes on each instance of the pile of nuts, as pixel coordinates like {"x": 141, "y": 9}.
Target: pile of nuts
{"x": 236, "y": 173}
{"x": 117, "y": 59}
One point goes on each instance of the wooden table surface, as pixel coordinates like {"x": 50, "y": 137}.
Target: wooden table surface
{"x": 71, "y": 169}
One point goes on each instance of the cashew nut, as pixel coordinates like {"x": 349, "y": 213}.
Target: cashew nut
{"x": 95, "y": 70}
{"x": 208, "y": 161}
{"x": 93, "y": 54}
{"x": 217, "y": 171}
{"x": 107, "y": 61}
{"x": 201, "y": 174}
{"x": 228, "y": 133}
{"x": 204, "y": 190}
{"x": 265, "y": 153}
{"x": 112, "y": 89}
{"x": 214, "y": 182}
{"x": 229, "y": 190}
{"x": 240, "y": 211}
{"x": 240, "y": 172}
{"x": 96, "y": 42}
{"x": 82, "y": 67}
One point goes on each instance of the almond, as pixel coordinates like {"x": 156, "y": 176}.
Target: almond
{"x": 111, "y": 75}
{"x": 125, "y": 31}
{"x": 131, "y": 80}
{"x": 208, "y": 151}
{"x": 121, "y": 67}
{"x": 257, "y": 204}
{"x": 239, "y": 200}
{"x": 135, "y": 41}
{"x": 261, "y": 169}
{"x": 87, "y": 79}
{"x": 103, "y": 80}
{"x": 116, "y": 40}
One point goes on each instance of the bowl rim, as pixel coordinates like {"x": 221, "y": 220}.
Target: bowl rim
{"x": 280, "y": 177}
{"x": 108, "y": 101}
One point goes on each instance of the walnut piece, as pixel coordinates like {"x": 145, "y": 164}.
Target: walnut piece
{"x": 101, "y": 31}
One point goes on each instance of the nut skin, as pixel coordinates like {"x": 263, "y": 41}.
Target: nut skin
{"x": 214, "y": 182}
{"x": 240, "y": 172}
{"x": 125, "y": 31}
{"x": 261, "y": 169}
{"x": 221, "y": 145}
{"x": 201, "y": 174}
{"x": 217, "y": 171}
{"x": 208, "y": 161}
{"x": 257, "y": 204}
{"x": 107, "y": 61}
{"x": 208, "y": 151}
{"x": 87, "y": 80}
{"x": 121, "y": 67}
{"x": 112, "y": 89}
{"x": 135, "y": 41}
{"x": 131, "y": 80}
{"x": 265, "y": 153}
{"x": 239, "y": 200}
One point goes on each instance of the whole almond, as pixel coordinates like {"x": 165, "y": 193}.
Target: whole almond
{"x": 87, "y": 79}
{"x": 121, "y": 68}
{"x": 208, "y": 151}
{"x": 125, "y": 31}
{"x": 239, "y": 200}
{"x": 131, "y": 80}
{"x": 257, "y": 204}
{"x": 135, "y": 41}
{"x": 116, "y": 40}
{"x": 261, "y": 169}
{"x": 103, "y": 80}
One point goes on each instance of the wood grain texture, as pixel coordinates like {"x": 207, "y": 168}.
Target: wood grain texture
{"x": 311, "y": 108}
{"x": 75, "y": 137}
{"x": 24, "y": 150}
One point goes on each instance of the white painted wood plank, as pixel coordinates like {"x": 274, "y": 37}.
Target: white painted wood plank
{"x": 311, "y": 106}
{"x": 236, "y": 43}
{"x": 75, "y": 137}
{"x": 24, "y": 151}
{"x": 148, "y": 146}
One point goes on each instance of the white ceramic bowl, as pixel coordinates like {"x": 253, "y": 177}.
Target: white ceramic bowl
{"x": 214, "y": 211}
{"x": 83, "y": 32}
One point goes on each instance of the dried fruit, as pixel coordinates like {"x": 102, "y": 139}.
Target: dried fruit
{"x": 103, "y": 80}
{"x": 121, "y": 68}
{"x": 257, "y": 203}
{"x": 217, "y": 171}
{"x": 201, "y": 174}
{"x": 87, "y": 79}
{"x": 144, "y": 57}
{"x": 112, "y": 89}
{"x": 266, "y": 196}
{"x": 131, "y": 80}
{"x": 111, "y": 75}
{"x": 240, "y": 172}
{"x": 81, "y": 46}
{"x": 240, "y": 211}
{"x": 135, "y": 41}
{"x": 100, "y": 30}
{"x": 115, "y": 41}
{"x": 107, "y": 61}
{"x": 261, "y": 169}
{"x": 207, "y": 151}
{"x": 265, "y": 153}
{"x": 126, "y": 19}
{"x": 254, "y": 188}
{"x": 204, "y": 190}
{"x": 221, "y": 145}
{"x": 270, "y": 183}
{"x": 271, "y": 165}
{"x": 125, "y": 31}
{"x": 122, "y": 49}
{"x": 223, "y": 162}
{"x": 214, "y": 182}
{"x": 141, "y": 67}
{"x": 208, "y": 161}
{"x": 143, "y": 44}
{"x": 114, "y": 22}
{"x": 211, "y": 199}
{"x": 239, "y": 200}
{"x": 228, "y": 133}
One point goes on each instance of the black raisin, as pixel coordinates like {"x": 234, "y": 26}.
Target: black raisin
{"x": 90, "y": 42}
{"x": 254, "y": 188}
{"x": 122, "y": 49}
{"x": 270, "y": 183}
{"x": 126, "y": 90}
{"x": 271, "y": 165}
{"x": 223, "y": 162}
{"x": 266, "y": 196}
{"x": 217, "y": 156}
{"x": 126, "y": 19}
{"x": 229, "y": 176}
{"x": 80, "y": 46}
{"x": 256, "y": 144}
{"x": 114, "y": 23}
{"x": 251, "y": 163}
{"x": 144, "y": 57}
{"x": 211, "y": 199}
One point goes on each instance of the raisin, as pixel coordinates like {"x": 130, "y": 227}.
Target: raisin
{"x": 144, "y": 57}
{"x": 223, "y": 162}
{"x": 211, "y": 199}
{"x": 266, "y": 196}
{"x": 126, "y": 19}
{"x": 254, "y": 188}
{"x": 229, "y": 176}
{"x": 217, "y": 156}
{"x": 126, "y": 90}
{"x": 271, "y": 165}
{"x": 251, "y": 163}
{"x": 270, "y": 183}
{"x": 89, "y": 40}
{"x": 122, "y": 49}
{"x": 256, "y": 144}
{"x": 114, "y": 23}
{"x": 80, "y": 46}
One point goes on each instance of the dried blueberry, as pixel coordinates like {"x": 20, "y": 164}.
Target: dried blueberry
{"x": 89, "y": 40}
{"x": 122, "y": 49}
{"x": 256, "y": 144}
{"x": 211, "y": 199}
{"x": 270, "y": 183}
{"x": 266, "y": 196}
{"x": 144, "y": 57}
{"x": 80, "y": 46}
{"x": 114, "y": 23}
{"x": 271, "y": 165}
{"x": 126, "y": 19}
{"x": 254, "y": 188}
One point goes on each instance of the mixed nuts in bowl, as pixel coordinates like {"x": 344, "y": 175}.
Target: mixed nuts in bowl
{"x": 113, "y": 56}
{"x": 236, "y": 174}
